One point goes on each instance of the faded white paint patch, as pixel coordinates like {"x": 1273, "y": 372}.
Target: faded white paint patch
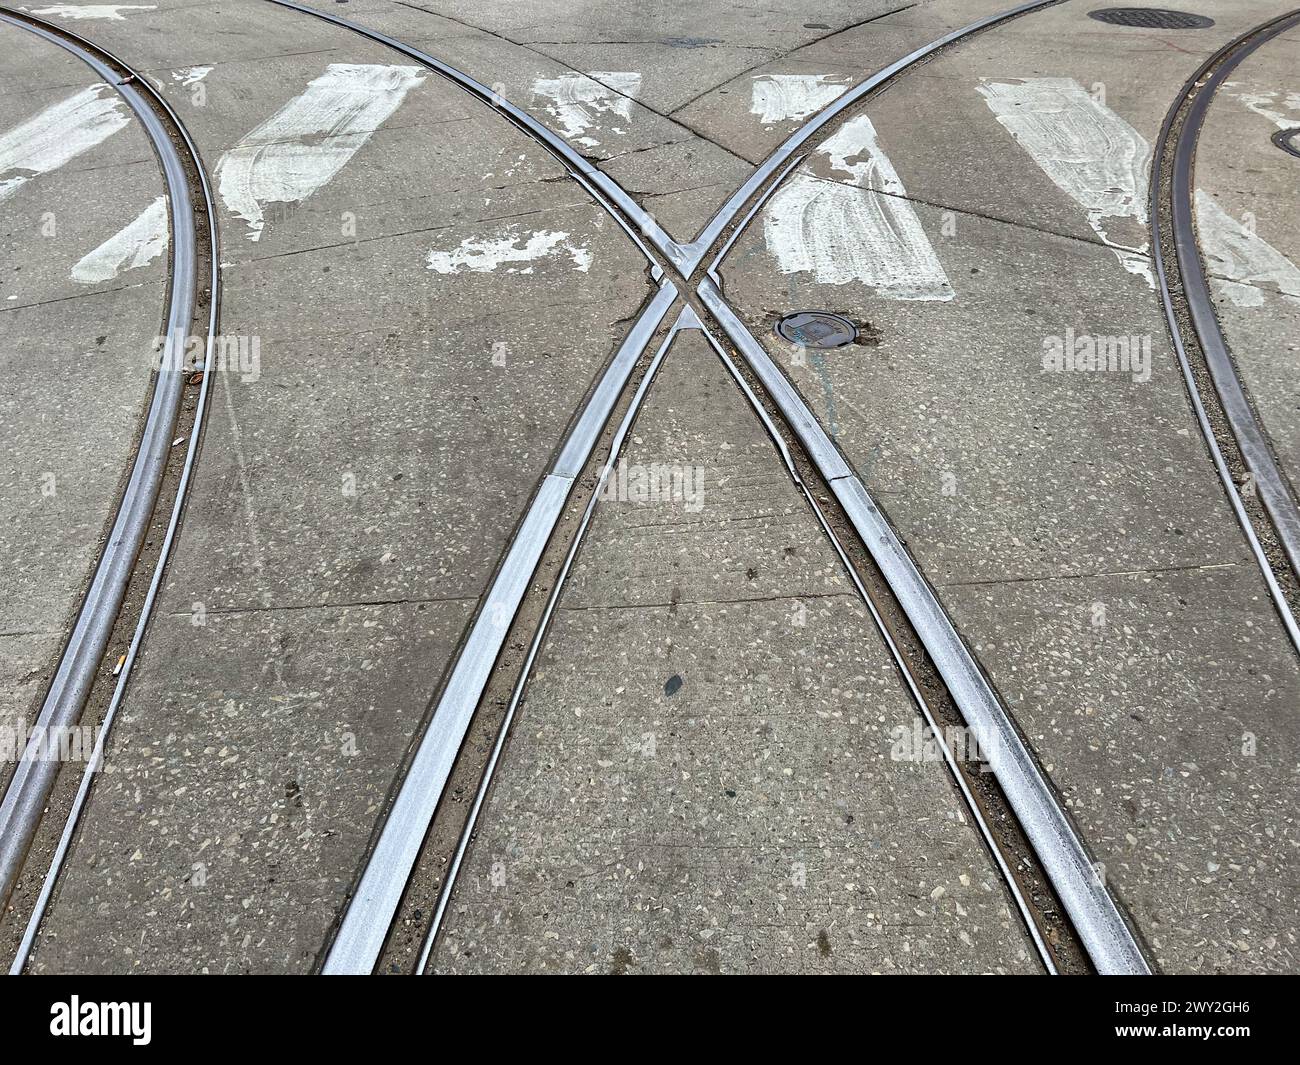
{"x": 483, "y": 255}
{"x": 191, "y": 75}
{"x": 790, "y": 97}
{"x": 1241, "y": 263}
{"x": 862, "y": 230}
{"x": 93, "y": 11}
{"x": 1092, "y": 154}
{"x": 138, "y": 244}
{"x": 311, "y": 138}
{"x": 1269, "y": 105}
{"x": 59, "y": 133}
{"x": 578, "y": 100}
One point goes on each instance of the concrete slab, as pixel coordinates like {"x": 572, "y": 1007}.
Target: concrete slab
{"x": 359, "y": 431}
{"x": 240, "y": 790}
{"x": 1163, "y": 709}
{"x": 34, "y": 65}
{"x": 699, "y": 779}
{"x": 57, "y": 248}
{"x": 75, "y": 376}
{"x": 1074, "y": 472}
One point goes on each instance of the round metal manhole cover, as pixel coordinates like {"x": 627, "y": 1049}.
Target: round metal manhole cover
{"x": 1151, "y": 18}
{"x": 1288, "y": 140}
{"x": 817, "y": 329}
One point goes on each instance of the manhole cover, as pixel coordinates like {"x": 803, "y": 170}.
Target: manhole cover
{"x": 1151, "y": 18}
{"x": 1288, "y": 140}
{"x": 817, "y": 329}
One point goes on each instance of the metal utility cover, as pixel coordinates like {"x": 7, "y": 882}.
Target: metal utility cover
{"x": 817, "y": 329}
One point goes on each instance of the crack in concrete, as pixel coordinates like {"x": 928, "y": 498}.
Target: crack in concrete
{"x": 526, "y": 46}
{"x": 740, "y": 601}
{"x": 239, "y": 611}
{"x": 1149, "y": 571}
{"x": 407, "y": 233}
{"x": 89, "y": 294}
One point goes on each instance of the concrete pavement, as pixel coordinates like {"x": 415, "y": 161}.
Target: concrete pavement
{"x": 702, "y": 774}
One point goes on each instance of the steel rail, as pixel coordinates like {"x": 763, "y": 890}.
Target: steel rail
{"x": 365, "y": 924}
{"x": 35, "y": 771}
{"x": 686, "y": 319}
{"x": 1101, "y": 928}
{"x": 1107, "y": 938}
{"x": 1274, "y": 491}
{"x": 604, "y": 189}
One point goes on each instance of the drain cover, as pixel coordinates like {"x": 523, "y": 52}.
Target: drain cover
{"x": 1288, "y": 140}
{"x": 1151, "y": 18}
{"x": 817, "y": 329}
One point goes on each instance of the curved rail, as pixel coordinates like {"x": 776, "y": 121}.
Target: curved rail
{"x": 169, "y": 537}
{"x": 714, "y": 228}
{"x": 1274, "y": 491}
{"x": 36, "y": 770}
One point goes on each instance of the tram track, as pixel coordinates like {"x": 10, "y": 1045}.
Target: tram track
{"x": 1262, "y": 498}
{"x": 115, "y": 609}
{"x": 1093, "y": 914}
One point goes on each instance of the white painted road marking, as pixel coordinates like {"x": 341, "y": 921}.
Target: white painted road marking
{"x": 791, "y": 97}
{"x": 1266, "y": 104}
{"x": 578, "y": 100}
{"x": 191, "y": 75}
{"x": 93, "y": 11}
{"x": 483, "y": 255}
{"x": 1239, "y": 261}
{"x": 861, "y": 230}
{"x": 311, "y": 138}
{"x": 59, "y": 133}
{"x": 137, "y": 245}
{"x": 1092, "y": 154}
